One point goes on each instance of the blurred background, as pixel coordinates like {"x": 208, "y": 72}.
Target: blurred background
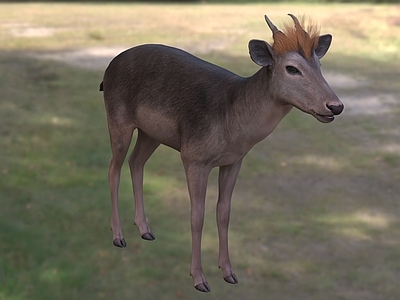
{"x": 315, "y": 214}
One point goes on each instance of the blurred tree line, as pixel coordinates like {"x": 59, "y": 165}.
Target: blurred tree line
{"x": 218, "y": 1}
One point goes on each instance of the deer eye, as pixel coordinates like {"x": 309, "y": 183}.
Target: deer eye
{"x": 293, "y": 70}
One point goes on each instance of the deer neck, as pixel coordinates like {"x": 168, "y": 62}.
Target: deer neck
{"x": 257, "y": 110}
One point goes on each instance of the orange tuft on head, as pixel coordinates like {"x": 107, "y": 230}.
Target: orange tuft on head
{"x": 295, "y": 38}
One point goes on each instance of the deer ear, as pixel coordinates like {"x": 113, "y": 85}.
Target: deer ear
{"x": 261, "y": 53}
{"x": 324, "y": 42}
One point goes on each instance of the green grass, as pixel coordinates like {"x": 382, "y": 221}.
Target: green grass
{"x": 315, "y": 211}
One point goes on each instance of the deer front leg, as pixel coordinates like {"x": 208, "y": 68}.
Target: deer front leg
{"x": 144, "y": 148}
{"x": 226, "y": 181}
{"x": 196, "y": 177}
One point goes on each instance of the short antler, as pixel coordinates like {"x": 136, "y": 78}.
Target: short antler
{"x": 301, "y": 34}
{"x": 275, "y": 31}
{"x": 296, "y": 21}
{"x": 270, "y": 24}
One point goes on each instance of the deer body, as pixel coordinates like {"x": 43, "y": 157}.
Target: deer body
{"x": 191, "y": 103}
{"x": 211, "y": 115}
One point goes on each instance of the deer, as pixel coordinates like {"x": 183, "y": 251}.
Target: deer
{"x": 210, "y": 115}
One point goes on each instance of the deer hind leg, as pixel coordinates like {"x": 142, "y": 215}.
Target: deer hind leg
{"x": 120, "y": 138}
{"x": 226, "y": 181}
{"x": 144, "y": 148}
{"x": 197, "y": 185}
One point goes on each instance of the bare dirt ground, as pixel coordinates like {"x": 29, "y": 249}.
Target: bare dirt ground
{"x": 97, "y": 58}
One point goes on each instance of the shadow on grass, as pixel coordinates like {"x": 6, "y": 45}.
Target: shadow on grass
{"x": 314, "y": 214}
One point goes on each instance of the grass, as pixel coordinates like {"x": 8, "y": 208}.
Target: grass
{"x": 315, "y": 212}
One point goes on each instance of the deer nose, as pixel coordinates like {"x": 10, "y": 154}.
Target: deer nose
{"x": 336, "y": 109}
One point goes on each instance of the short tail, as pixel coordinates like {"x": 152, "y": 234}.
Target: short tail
{"x": 101, "y": 87}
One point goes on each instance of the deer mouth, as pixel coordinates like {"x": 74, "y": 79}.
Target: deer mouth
{"x": 323, "y": 118}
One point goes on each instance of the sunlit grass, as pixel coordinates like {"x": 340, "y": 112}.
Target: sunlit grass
{"x": 358, "y": 225}
{"x": 358, "y": 29}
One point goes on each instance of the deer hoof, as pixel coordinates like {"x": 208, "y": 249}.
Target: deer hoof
{"x": 119, "y": 243}
{"x": 231, "y": 279}
{"x": 149, "y": 236}
{"x": 203, "y": 287}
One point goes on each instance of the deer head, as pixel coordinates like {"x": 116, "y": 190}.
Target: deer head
{"x": 293, "y": 63}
